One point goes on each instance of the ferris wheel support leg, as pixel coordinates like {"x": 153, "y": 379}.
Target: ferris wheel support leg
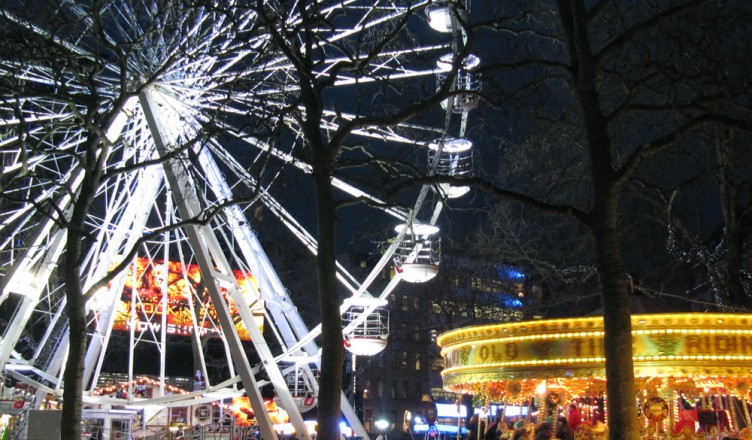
{"x": 349, "y": 413}
{"x": 181, "y": 187}
{"x": 30, "y": 290}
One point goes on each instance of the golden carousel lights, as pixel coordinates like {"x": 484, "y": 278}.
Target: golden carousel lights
{"x": 698, "y": 361}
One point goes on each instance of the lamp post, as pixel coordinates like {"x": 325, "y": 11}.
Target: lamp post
{"x": 382, "y": 424}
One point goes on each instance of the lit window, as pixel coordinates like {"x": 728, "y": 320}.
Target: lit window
{"x": 369, "y": 419}
{"x": 417, "y": 361}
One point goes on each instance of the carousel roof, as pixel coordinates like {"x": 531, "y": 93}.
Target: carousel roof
{"x": 673, "y": 345}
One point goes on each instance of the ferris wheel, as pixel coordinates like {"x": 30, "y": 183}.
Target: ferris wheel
{"x": 196, "y": 126}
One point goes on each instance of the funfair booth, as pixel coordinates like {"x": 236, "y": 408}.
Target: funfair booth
{"x": 692, "y": 371}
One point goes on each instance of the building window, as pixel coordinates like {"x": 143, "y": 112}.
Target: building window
{"x": 405, "y": 386}
{"x": 418, "y": 390}
{"x": 404, "y": 302}
{"x": 369, "y": 419}
{"x": 394, "y": 389}
{"x": 416, "y": 332}
{"x": 403, "y": 364}
{"x": 380, "y": 391}
{"x": 367, "y": 389}
{"x": 179, "y": 415}
{"x": 417, "y": 361}
{"x": 416, "y": 303}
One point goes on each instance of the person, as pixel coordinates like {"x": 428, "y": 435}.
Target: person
{"x": 490, "y": 433}
{"x": 472, "y": 427}
{"x": 502, "y": 431}
{"x": 563, "y": 430}
{"x": 180, "y": 434}
{"x": 544, "y": 431}
{"x": 574, "y": 418}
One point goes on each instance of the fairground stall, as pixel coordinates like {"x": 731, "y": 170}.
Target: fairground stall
{"x": 692, "y": 370}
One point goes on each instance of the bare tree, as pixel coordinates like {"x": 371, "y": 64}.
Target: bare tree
{"x": 611, "y": 89}
{"x": 708, "y": 224}
{"x": 98, "y": 61}
{"x": 295, "y": 32}
{"x": 71, "y": 74}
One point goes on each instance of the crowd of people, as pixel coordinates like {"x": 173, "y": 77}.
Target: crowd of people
{"x": 561, "y": 426}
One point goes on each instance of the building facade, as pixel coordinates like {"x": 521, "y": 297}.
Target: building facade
{"x": 405, "y": 378}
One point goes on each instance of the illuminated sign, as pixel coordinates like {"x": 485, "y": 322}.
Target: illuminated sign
{"x": 145, "y": 307}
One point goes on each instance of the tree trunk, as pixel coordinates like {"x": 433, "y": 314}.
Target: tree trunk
{"x": 332, "y": 347}
{"x": 70, "y": 426}
{"x": 733, "y": 289}
{"x": 617, "y": 324}
{"x": 621, "y": 408}
{"x": 332, "y": 352}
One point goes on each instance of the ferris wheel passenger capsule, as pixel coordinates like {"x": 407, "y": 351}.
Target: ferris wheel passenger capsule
{"x": 369, "y": 318}
{"x": 418, "y": 256}
{"x": 469, "y": 63}
{"x": 440, "y": 14}
{"x": 465, "y": 81}
{"x": 301, "y": 387}
{"x": 452, "y": 157}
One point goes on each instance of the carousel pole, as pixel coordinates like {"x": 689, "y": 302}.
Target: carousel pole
{"x": 746, "y": 409}
{"x": 459, "y": 417}
{"x": 733, "y": 425}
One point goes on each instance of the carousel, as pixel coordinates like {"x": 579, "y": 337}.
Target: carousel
{"x": 692, "y": 371}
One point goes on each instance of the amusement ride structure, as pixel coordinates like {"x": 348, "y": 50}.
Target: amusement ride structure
{"x": 165, "y": 73}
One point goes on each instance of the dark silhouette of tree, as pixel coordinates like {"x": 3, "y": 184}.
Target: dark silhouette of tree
{"x": 381, "y": 103}
{"x": 58, "y": 59}
{"x": 610, "y": 92}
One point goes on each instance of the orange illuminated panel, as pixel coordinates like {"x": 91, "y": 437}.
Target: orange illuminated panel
{"x": 142, "y": 303}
